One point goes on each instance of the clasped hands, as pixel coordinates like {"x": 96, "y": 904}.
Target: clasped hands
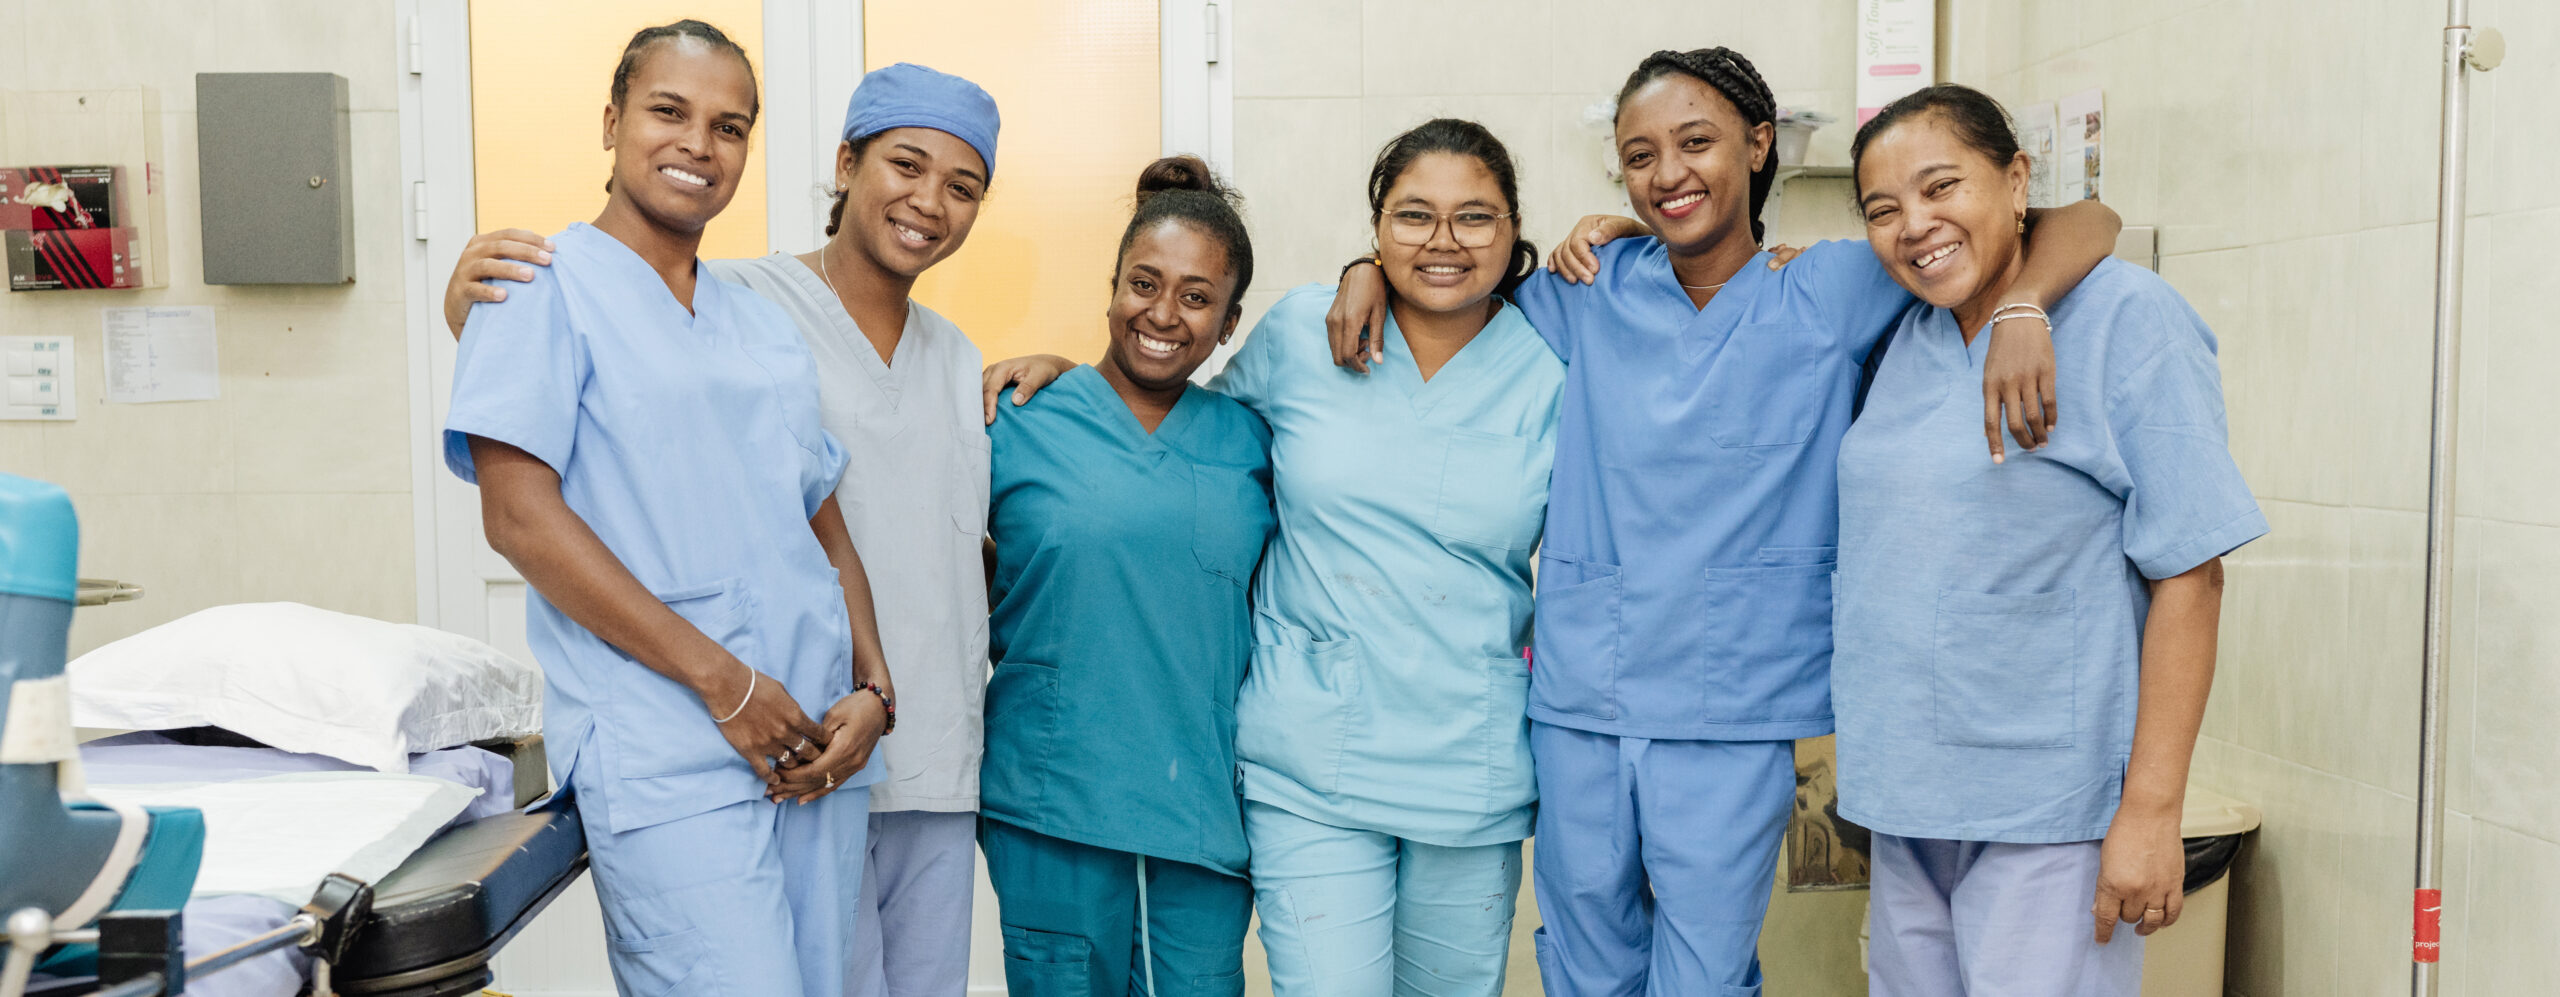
{"x": 801, "y": 760}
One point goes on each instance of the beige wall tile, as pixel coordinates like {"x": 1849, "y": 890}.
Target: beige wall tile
{"x": 2288, "y": 375}
{"x": 160, "y": 44}
{"x": 327, "y": 550}
{"x": 2367, "y": 727}
{"x": 1302, "y": 164}
{"x": 2393, "y": 352}
{"x": 2305, "y": 89}
{"x": 1579, "y": 162}
{"x": 2285, "y": 888}
{"x": 354, "y": 40}
{"x": 2462, "y": 681}
{"x": 2515, "y": 760}
{"x": 316, "y": 402}
{"x": 381, "y": 209}
{"x": 2509, "y": 323}
{"x": 2404, "y": 51}
{"x": 2515, "y": 139}
{"x": 2455, "y": 971}
{"x": 13, "y": 44}
{"x": 182, "y": 549}
{"x": 161, "y": 448}
{"x": 2283, "y": 634}
{"x": 1305, "y": 49}
{"x": 1505, "y": 48}
{"x": 2377, "y": 837}
{"x": 2506, "y": 947}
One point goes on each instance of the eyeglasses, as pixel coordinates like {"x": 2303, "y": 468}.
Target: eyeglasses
{"x": 1472, "y": 228}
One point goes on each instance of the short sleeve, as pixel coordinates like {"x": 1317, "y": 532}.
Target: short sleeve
{"x": 1541, "y": 299}
{"x": 2185, "y": 501}
{"x": 517, "y": 377}
{"x": 1248, "y": 375}
{"x": 825, "y": 470}
{"x": 1853, "y": 290}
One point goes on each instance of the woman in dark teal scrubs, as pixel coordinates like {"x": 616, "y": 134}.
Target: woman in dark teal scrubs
{"x": 1128, "y": 511}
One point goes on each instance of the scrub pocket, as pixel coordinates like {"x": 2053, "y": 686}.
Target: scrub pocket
{"x": 1046, "y": 963}
{"x": 2004, "y": 670}
{"x": 1577, "y": 632}
{"x": 1492, "y": 490}
{"x": 1773, "y": 623}
{"x": 1230, "y": 519}
{"x": 1766, "y": 387}
{"x": 1022, "y": 724}
{"x": 660, "y": 727}
{"x": 1294, "y": 713}
{"x": 1509, "y": 783}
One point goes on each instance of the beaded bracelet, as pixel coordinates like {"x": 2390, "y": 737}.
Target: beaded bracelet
{"x": 885, "y": 702}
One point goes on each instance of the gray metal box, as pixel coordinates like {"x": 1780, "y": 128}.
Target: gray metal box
{"x": 274, "y": 164}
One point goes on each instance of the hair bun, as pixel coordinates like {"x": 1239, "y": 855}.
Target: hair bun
{"x": 1184, "y": 172}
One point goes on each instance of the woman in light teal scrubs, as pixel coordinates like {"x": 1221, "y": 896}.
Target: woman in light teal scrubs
{"x": 1129, "y": 509}
{"x": 1382, "y": 732}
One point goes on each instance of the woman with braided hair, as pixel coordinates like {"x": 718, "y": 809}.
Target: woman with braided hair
{"x": 1683, "y": 636}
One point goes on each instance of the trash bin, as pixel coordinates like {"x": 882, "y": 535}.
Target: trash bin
{"x": 2185, "y": 959}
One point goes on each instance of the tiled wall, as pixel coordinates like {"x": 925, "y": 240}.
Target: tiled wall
{"x": 295, "y": 484}
{"x": 2287, "y": 148}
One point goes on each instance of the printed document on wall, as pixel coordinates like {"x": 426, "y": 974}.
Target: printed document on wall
{"x": 161, "y": 355}
{"x": 2036, "y": 138}
{"x": 1897, "y": 51}
{"x": 2076, "y": 152}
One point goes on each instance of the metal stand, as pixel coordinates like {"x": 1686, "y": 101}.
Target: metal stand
{"x": 2465, "y": 48}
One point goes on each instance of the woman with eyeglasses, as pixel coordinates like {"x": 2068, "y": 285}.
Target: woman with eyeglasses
{"x": 1381, "y": 731}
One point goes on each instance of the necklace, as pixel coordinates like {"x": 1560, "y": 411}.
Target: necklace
{"x": 1693, "y": 287}
{"x": 822, "y": 275}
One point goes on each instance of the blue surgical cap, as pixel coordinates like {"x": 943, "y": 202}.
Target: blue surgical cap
{"x": 907, "y": 95}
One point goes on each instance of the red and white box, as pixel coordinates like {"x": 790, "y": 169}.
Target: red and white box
{"x": 42, "y": 198}
{"x": 71, "y": 259}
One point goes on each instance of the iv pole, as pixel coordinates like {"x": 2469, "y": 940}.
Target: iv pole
{"x": 2465, "y": 49}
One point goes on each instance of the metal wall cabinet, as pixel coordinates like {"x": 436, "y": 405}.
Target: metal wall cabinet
{"x": 274, "y": 163}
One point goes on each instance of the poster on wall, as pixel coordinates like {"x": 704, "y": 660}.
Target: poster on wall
{"x": 1897, "y": 51}
{"x": 2076, "y": 152}
{"x": 2036, "y": 139}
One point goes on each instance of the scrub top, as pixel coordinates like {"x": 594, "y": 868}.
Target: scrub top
{"x": 690, "y": 443}
{"x": 915, "y": 507}
{"x": 1120, "y": 623}
{"x": 1388, "y": 689}
{"x": 1684, "y": 591}
{"x": 1990, "y": 616}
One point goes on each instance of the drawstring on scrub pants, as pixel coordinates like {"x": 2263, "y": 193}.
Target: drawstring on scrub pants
{"x": 1146, "y": 945}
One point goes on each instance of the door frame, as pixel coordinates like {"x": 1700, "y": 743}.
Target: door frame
{"x": 454, "y": 567}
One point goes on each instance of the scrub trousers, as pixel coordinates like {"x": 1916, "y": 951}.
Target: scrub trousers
{"x": 1072, "y": 924}
{"x": 1655, "y": 860}
{"x": 1351, "y": 913}
{"x": 911, "y": 935}
{"x": 1987, "y": 919}
{"x": 752, "y": 898}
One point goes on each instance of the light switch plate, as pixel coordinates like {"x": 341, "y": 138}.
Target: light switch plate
{"x": 39, "y": 379}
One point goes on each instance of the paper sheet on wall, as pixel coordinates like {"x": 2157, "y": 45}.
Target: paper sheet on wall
{"x": 161, "y": 355}
{"x": 2036, "y": 139}
{"x": 2076, "y": 157}
{"x": 1897, "y": 51}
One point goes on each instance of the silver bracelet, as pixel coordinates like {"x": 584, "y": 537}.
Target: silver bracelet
{"x": 743, "y": 700}
{"x": 2020, "y": 310}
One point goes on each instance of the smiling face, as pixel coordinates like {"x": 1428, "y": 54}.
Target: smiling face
{"x": 1464, "y": 203}
{"x": 1688, "y": 154}
{"x": 1941, "y": 215}
{"x": 679, "y": 138}
{"x": 1171, "y": 305}
{"x": 911, "y": 196}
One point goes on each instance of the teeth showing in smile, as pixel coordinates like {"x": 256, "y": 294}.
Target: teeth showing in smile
{"x": 1154, "y": 345}
{"x": 684, "y": 176}
{"x": 1933, "y": 256}
{"x": 1683, "y": 201}
{"x": 1442, "y": 269}
{"x": 909, "y": 234}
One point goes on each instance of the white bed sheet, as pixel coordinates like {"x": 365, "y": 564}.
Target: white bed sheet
{"x": 214, "y": 923}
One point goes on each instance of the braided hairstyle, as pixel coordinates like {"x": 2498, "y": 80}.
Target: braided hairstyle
{"x": 1729, "y": 73}
{"x": 1462, "y": 138}
{"x": 648, "y": 38}
{"x": 1181, "y": 188}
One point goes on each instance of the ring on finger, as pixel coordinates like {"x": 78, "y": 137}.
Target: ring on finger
{"x": 831, "y": 780}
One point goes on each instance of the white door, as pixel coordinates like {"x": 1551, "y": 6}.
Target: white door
{"x": 466, "y": 588}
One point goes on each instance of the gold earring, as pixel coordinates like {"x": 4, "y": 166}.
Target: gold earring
{"x": 2022, "y": 224}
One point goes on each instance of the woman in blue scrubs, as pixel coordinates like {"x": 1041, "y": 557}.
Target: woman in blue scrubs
{"x": 1684, "y": 599}
{"x": 649, "y": 455}
{"x": 1129, "y": 510}
{"x": 2019, "y": 695}
{"x": 1385, "y": 754}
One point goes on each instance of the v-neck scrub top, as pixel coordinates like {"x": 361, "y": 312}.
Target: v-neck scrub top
{"x": 1120, "y": 623}
{"x": 1990, "y": 616}
{"x": 915, "y": 504}
{"x": 690, "y": 443}
{"x": 1684, "y": 589}
{"x": 1388, "y": 687}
